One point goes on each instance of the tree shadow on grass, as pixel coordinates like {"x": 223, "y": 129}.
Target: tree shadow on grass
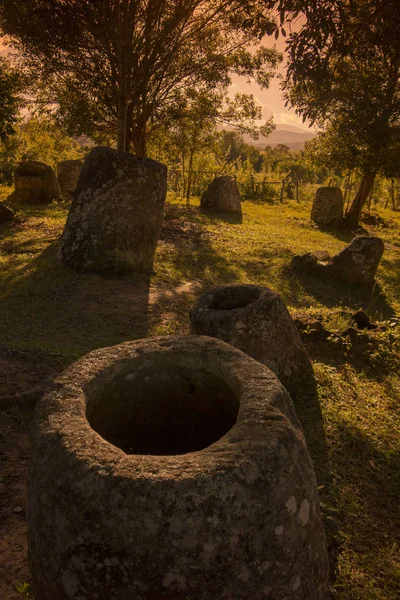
{"x": 344, "y": 235}
{"x": 54, "y": 309}
{"x": 226, "y": 217}
{"x": 367, "y": 509}
{"x": 190, "y": 253}
{"x": 332, "y": 293}
{"x": 308, "y": 408}
{"x": 369, "y": 470}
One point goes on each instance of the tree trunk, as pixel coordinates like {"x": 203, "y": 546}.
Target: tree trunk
{"x": 349, "y": 190}
{"x": 122, "y": 115}
{"x": 392, "y": 192}
{"x": 370, "y": 197}
{"x": 354, "y": 213}
{"x": 183, "y": 175}
{"x": 346, "y": 188}
{"x": 387, "y": 201}
{"x": 139, "y": 140}
{"x": 190, "y": 173}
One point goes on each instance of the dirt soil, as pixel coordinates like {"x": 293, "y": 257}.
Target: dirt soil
{"x": 20, "y": 372}
{"x": 14, "y": 455}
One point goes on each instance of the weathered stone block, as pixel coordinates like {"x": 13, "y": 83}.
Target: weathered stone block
{"x": 172, "y": 468}
{"x": 356, "y": 263}
{"x": 310, "y": 327}
{"x": 35, "y": 183}
{"x": 116, "y": 214}
{"x": 222, "y": 195}
{"x": 327, "y": 208}
{"x": 255, "y": 320}
{"x": 68, "y": 172}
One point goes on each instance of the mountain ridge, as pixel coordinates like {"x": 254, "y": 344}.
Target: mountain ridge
{"x": 295, "y": 138}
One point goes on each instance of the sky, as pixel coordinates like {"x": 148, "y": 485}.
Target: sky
{"x": 270, "y": 99}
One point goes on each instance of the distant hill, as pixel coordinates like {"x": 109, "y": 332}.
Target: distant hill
{"x": 289, "y": 135}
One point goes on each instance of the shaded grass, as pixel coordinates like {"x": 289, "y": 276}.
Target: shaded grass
{"x": 361, "y": 424}
{"x": 352, "y": 429}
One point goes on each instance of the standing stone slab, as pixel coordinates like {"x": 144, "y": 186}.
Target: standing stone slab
{"x": 116, "y": 214}
{"x": 358, "y": 262}
{"x": 172, "y": 468}
{"x": 327, "y": 208}
{"x": 255, "y": 320}
{"x": 35, "y": 183}
{"x": 68, "y": 172}
{"x": 222, "y": 195}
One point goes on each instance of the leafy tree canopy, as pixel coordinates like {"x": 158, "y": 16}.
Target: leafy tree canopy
{"x": 37, "y": 139}
{"x": 10, "y": 88}
{"x": 344, "y": 75}
{"x": 122, "y": 67}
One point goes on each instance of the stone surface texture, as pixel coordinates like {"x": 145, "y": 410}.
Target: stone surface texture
{"x": 35, "y": 183}
{"x": 6, "y": 214}
{"x": 308, "y": 262}
{"x": 312, "y": 328}
{"x": 116, "y": 214}
{"x": 255, "y": 320}
{"x": 356, "y": 263}
{"x": 328, "y": 205}
{"x": 222, "y": 195}
{"x": 238, "y": 519}
{"x": 68, "y": 172}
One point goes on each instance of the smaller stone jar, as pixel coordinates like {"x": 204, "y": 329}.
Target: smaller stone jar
{"x": 255, "y": 320}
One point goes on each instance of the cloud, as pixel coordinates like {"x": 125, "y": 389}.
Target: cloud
{"x": 290, "y": 119}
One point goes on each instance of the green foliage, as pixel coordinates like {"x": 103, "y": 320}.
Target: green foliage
{"x": 25, "y": 589}
{"x": 344, "y": 75}
{"x": 10, "y": 99}
{"x": 37, "y": 139}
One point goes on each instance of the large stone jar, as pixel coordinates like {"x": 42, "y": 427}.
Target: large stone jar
{"x": 172, "y": 468}
{"x": 255, "y": 320}
{"x": 116, "y": 214}
{"x": 222, "y": 196}
{"x": 35, "y": 183}
{"x": 327, "y": 208}
{"x": 68, "y": 172}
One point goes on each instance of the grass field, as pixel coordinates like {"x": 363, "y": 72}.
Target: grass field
{"x": 353, "y": 430}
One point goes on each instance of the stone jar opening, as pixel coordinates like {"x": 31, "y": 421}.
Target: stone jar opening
{"x": 233, "y": 297}
{"x": 162, "y": 411}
